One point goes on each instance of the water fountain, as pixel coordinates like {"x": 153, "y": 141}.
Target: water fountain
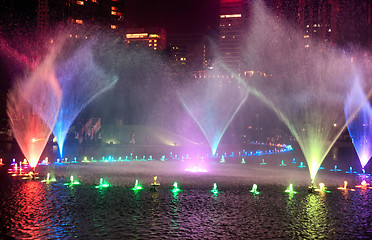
{"x": 254, "y": 190}
{"x": 32, "y": 106}
{"x": 360, "y": 128}
{"x": 213, "y": 102}
{"x": 73, "y": 181}
{"x": 81, "y": 80}
{"x": 290, "y": 189}
{"x": 103, "y": 184}
{"x": 176, "y": 189}
{"x": 137, "y": 186}
{"x": 215, "y": 189}
{"x": 304, "y": 86}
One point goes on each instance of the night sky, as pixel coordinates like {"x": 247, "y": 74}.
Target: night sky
{"x": 176, "y": 16}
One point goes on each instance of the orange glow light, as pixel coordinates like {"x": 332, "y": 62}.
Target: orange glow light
{"x": 80, "y": 2}
{"x": 78, "y": 21}
{"x": 154, "y": 36}
{"x": 115, "y": 13}
{"x": 113, "y": 26}
{"x": 137, "y": 35}
{"x": 231, "y": 16}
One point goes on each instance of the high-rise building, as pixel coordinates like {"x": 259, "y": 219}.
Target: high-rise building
{"x": 188, "y": 51}
{"x": 42, "y": 15}
{"x": 336, "y": 22}
{"x": 105, "y": 12}
{"x": 232, "y": 20}
{"x": 154, "y": 38}
{"x": 318, "y": 19}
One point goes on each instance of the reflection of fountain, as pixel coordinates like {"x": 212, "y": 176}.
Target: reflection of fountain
{"x": 213, "y": 103}
{"x": 299, "y": 83}
{"x": 360, "y": 128}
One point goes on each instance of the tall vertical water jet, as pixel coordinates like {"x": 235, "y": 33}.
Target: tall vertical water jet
{"x": 360, "y": 126}
{"x": 81, "y": 80}
{"x": 302, "y": 80}
{"x": 212, "y": 102}
{"x": 32, "y": 107}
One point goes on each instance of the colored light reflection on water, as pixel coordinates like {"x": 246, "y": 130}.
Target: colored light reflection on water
{"x": 54, "y": 211}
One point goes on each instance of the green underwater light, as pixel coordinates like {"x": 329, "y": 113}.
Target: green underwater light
{"x": 72, "y": 181}
{"x": 215, "y": 189}
{"x": 176, "y": 189}
{"x": 254, "y": 190}
{"x": 290, "y": 189}
{"x": 48, "y": 179}
{"x": 103, "y": 184}
{"x": 137, "y": 186}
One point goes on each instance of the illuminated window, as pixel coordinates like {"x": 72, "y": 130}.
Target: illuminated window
{"x": 329, "y": 30}
{"x": 307, "y": 45}
{"x": 116, "y": 13}
{"x": 114, "y": 8}
{"x": 155, "y": 45}
{"x": 95, "y": 1}
{"x": 113, "y": 27}
{"x": 231, "y": 16}
{"x": 80, "y": 2}
{"x": 150, "y": 45}
{"x": 151, "y": 41}
{"x": 154, "y": 36}
{"x": 155, "y": 40}
{"x": 306, "y": 36}
{"x": 78, "y": 21}
{"x": 223, "y": 37}
{"x": 137, "y": 35}
{"x": 154, "y": 48}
